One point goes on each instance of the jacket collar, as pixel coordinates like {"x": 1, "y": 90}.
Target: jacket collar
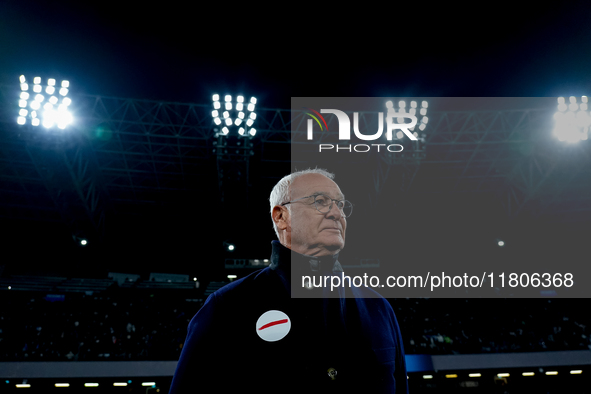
{"x": 291, "y": 266}
{"x": 287, "y": 260}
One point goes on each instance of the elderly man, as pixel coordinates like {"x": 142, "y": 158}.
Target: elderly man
{"x": 254, "y": 334}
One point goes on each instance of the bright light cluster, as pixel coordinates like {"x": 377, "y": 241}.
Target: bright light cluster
{"x": 44, "y": 104}
{"x": 402, "y": 109}
{"x": 234, "y": 114}
{"x": 572, "y": 119}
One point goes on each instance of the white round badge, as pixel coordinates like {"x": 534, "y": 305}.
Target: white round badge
{"x": 273, "y": 326}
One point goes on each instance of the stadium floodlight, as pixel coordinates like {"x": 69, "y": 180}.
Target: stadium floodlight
{"x": 252, "y": 132}
{"x": 573, "y": 120}
{"x": 403, "y": 110}
{"x": 234, "y": 113}
{"x": 49, "y": 117}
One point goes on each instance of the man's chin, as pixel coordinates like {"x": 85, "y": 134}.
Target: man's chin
{"x": 335, "y": 248}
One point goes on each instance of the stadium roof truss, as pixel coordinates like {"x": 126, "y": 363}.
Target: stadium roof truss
{"x": 126, "y": 153}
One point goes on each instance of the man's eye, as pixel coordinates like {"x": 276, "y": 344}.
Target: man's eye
{"x": 321, "y": 200}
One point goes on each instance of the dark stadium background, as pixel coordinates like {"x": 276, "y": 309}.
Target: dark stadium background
{"x": 178, "y": 53}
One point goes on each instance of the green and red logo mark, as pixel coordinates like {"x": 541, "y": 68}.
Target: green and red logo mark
{"x": 316, "y": 118}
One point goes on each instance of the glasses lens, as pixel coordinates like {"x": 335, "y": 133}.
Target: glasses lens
{"x": 323, "y": 204}
{"x": 347, "y": 208}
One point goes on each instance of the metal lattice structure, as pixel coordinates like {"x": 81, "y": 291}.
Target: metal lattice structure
{"x": 125, "y": 154}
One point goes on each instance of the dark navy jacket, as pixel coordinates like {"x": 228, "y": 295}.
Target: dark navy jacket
{"x": 335, "y": 343}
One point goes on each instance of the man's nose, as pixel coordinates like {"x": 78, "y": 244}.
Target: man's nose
{"x": 334, "y": 212}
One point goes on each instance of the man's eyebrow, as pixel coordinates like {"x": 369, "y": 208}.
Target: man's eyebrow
{"x": 340, "y": 196}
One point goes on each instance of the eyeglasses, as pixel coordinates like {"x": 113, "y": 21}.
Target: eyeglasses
{"x": 323, "y": 204}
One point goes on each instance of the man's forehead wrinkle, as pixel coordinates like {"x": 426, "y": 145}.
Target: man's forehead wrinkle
{"x": 303, "y": 186}
{"x": 339, "y": 196}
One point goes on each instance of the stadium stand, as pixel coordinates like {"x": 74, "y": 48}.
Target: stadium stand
{"x": 93, "y": 319}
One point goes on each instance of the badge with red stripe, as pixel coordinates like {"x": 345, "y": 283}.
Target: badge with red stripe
{"x": 273, "y": 326}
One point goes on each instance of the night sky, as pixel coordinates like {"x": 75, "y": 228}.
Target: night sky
{"x": 183, "y": 53}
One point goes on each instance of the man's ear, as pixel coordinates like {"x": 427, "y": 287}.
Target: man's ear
{"x": 280, "y": 216}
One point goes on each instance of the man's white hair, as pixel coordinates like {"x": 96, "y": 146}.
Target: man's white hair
{"x": 280, "y": 192}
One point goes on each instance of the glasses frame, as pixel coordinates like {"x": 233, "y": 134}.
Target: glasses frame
{"x": 329, "y": 208}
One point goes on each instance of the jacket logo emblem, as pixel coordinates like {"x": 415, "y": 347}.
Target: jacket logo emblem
{"x": 273, "y": 326}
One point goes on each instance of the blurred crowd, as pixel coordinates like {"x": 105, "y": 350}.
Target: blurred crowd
{"x": 466, "y": 326}
{"x": 130, "y": 325}
{"x": 93, "y": 327}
